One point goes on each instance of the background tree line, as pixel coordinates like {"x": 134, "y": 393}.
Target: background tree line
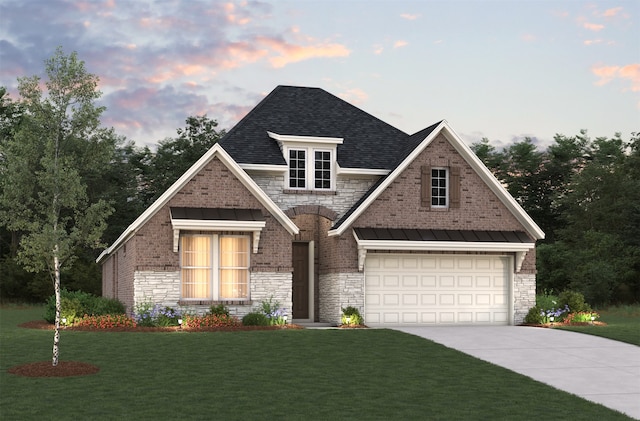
{"x": 584, "y": 193}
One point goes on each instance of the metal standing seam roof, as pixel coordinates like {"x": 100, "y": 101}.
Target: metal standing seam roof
{"x": 217, "y": 214}
{"x": 400, "y": 234}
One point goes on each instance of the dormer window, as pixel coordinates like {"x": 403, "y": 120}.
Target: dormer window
{"x": 311, "y": 161}
{"x": 320, "y": 173}
{"x": 297, "y": 169}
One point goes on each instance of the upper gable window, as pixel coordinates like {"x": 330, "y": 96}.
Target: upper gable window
{"x": 322, "y": 177}
{"x": 310, "y": 169}
{"x": 297, "y": 169}
{"x": 311, "y": 161}
{"x": 439, "y": 187}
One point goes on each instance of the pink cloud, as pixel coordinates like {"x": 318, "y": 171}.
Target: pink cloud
{"x": 609, "y": 13}
{"x": 291, "y": 53}
{"x": 528, "y": 37}
{"x": 400, "y": 44}
{"x": 593, "y": 26}
{"x": 630, "y": 72}
{"x": 408, "y": 16}
{"x": 592, "y": 41}
{"x": 354, "y": 96}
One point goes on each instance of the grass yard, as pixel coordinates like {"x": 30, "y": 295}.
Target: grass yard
{"x": 288, "y": 374}
{"x": 623, "y": 324}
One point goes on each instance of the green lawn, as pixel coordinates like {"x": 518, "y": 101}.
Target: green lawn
{"x": 623, "y": 324}
{"x": 290, "y": 374}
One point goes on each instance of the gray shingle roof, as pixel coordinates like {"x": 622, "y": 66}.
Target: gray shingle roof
{"x": 288, "y": 110}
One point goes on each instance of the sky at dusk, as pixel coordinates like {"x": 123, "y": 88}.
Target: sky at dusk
{"x": 496, "y": 69}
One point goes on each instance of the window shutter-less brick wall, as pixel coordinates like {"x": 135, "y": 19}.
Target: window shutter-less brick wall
{"x": 454, "y": 187}
{"x": 426, "y": 186}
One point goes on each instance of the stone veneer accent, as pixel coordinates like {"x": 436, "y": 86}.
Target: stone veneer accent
{"x": 338, "y": 290}
{"x": 163, "y": 288}
{"x": 524, "y": 295}
{"x": 348, "y": 192}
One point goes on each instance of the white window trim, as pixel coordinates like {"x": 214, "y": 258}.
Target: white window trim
{"x": 447, "y": 180}
{"x": 310, "y": 167}
{"x": 215, "y": 268}
{"x": 311, "y": 144}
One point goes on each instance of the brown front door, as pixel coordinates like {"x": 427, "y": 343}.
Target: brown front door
{"x": 300, "y": 280}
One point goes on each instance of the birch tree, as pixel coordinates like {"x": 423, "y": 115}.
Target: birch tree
{"x": 45, "y": 165}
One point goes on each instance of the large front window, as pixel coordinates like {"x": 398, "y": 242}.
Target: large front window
{"x": 215, "y": 267}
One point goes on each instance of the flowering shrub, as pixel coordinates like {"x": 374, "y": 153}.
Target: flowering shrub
{"x": 149, "y": 314}
{"x": 109, "y": 321}
{"x": 557, "y": 314}
{"x": 276, "y": 316}
{"x": 209, "y": 320}
{"x": 582, "y": 317}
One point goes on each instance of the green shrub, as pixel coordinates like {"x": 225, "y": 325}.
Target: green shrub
{"x": 76, "y": 304}
{"x": 534, "y": 316}
{"x": 547, "y": 300}
{"x": 351, "y": 316}
{"x": 219, "y": 310}
{"x": 574, "y": 300}
{"x": 255, "y": 318}
{"x": 103, "y": 306}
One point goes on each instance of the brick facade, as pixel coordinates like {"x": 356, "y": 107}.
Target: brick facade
{"x": 146, "y": 267}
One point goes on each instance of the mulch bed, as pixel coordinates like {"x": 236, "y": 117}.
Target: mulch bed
{"x": 46, "y": 369}
{"x": 75, "y": 368}
{"x": 549, "y": 325}
{"x": 44, "y": 325}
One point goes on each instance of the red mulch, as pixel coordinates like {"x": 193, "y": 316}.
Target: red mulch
{"x": 42, "y": 324}
{"x": 45, "y": 369}
{"x": 74, "y": 368}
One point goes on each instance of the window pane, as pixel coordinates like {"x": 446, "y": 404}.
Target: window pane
{"x": 439, "y": 187}
{"x": 322, "y": 175}
{"x": 297, "y": 173}
{"x": 234, "y": 267}
{"x": 196, "y": 267}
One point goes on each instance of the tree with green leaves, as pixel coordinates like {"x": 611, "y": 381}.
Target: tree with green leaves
{"x": 56, "y": 153}
{"x": 174, "y": 156}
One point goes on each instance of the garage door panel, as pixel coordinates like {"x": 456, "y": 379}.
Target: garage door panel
{"x": 391, "y": 299}
{"x": 409, "y": 299}
{"x": 428, "y": 281}
{"x": 391, "y": 281}
{"x": 447, "y": 281}
{"x": 433, "y": 289}
{"x": 428, "y": 299}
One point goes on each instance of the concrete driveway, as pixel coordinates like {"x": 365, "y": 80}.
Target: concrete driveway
{"x": 597, "y": 369}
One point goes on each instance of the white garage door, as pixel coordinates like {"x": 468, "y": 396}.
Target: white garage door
{"x": 436, "y": 289}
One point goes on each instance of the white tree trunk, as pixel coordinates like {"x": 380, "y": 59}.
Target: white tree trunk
{"x": 56, "y": 289}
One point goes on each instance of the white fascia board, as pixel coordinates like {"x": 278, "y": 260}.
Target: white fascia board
{"x": 362, "y": 171}
{"x": 521, "y": 215}
{"x": 382, "y": 187}
{"x": 456, "y": 141}
{"x": 217, "y": 225}
{"x": 264, "y": 167}
{"x": 443, "y": 246}
{"x": 285, "y": 138}
{"x": 215, "y": 150}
